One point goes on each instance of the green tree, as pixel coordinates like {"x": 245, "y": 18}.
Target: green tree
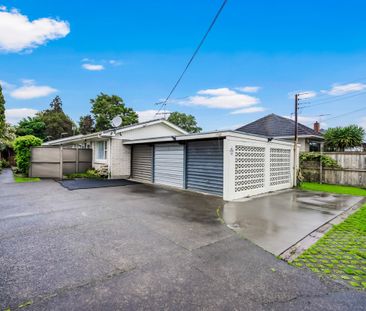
{"x": 106, "y": 107}
{"x": 57, "y": 123}
{"x": 22, "y": 147}
{"x": 31, "y": 126}
{"x": 2, "y": 112}
{"x": 86, "y": 124}
{"x": 7, "y": 139}
{"x": 185, "y": 121}
{"x": 339, "y": 138}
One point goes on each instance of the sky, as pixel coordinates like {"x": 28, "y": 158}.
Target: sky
{"x": 257, "y": 56}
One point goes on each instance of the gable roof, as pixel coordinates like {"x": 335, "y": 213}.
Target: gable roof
{"x": 110, "y": 132}
{"x": 274, "y": 125}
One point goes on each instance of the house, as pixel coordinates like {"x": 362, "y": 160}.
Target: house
{"x": 275, "y": 126}
{"x": 230, "y": 164}
{"x": 108, "y": 148}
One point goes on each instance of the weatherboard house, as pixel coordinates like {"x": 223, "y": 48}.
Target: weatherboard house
{"x": 231, "y": 164}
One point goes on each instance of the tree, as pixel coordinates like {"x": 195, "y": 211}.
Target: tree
{"x": 2, "y": 113}
{"x": 106, "y": 107}
{"x": 86, "y": 124}
{"x": 7, "y": 139}
{"x": 57, "y": 123}
{"x": 339, "y": 138}
{"x": 32, "y": 126}
{"x": 185, "y": 121}
{"x": 56, "y": 104}
{"x": 22, "y": 147}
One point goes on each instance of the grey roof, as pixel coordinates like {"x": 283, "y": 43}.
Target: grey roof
{"x": 274, "y": 125}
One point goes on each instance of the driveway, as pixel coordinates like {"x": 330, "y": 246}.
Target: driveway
{"x": 141, "y": 247}
{"x": 277, "y": 221}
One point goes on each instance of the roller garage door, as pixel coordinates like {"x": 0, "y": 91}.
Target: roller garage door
{"x": 142, "y": 156}
{"x": 205, "y": 166}
{"x": 169, "y": 164}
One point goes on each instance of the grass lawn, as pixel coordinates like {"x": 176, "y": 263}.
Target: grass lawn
{"x": 333, "y": 188}
{"x": 341, "y": 252}
{"x": 21, "y": 179}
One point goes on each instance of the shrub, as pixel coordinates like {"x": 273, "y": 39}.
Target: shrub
{"x": 326, "y": 160}
{"x": 92, "y": 173}
{"x": 22, "y": 147}
{"x": 4, "y": 163}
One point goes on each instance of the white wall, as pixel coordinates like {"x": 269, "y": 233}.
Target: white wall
{"x": 156, "y": 130}
{"x": 120, "y": 164}
{"x": 255, "y": 163}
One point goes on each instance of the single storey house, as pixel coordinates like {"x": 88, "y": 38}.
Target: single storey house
{"x": 279, "y": 127}
{"x": 230, "y": 164}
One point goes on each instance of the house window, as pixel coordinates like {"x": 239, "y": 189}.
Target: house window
{"x": 101, "y": 150}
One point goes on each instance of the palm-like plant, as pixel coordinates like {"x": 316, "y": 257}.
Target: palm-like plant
{"x": 339, "y": 138}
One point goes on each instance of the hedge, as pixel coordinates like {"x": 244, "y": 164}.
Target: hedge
{"x": 22, "y": 147}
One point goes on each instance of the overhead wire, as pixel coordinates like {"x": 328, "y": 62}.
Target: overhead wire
{"x": 163, "y": 103}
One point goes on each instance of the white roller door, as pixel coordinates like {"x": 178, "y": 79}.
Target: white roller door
{"x": 169, "y": 165}
{"x": 142, "y": 162}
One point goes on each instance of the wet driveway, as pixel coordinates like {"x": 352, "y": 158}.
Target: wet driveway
{"x": 141, "y": 247}
{"x": 277, "y": 221}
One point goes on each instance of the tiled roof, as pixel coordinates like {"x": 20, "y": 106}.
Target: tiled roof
{"x": 274, "y": 125}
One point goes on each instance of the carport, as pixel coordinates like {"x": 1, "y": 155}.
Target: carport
{"x": 227, "y": 163}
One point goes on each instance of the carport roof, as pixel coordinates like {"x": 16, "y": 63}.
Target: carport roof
{"x": 206, "y": 135}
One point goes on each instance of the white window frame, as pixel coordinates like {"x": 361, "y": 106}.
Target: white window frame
{"x": 105, "y": 151}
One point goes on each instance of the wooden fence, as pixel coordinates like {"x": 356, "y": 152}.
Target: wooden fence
{"x": 352, "y": 171}
{"x": 57, "y": 161}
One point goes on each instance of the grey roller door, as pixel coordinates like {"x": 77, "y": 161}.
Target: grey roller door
{"x": 169, "y": 164}
{"x": 142, "y": 162}
{"x": 205, "y": 166}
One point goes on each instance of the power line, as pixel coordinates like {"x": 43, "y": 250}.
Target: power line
{"x": 331, "y": 100}
{"x": 194, "y": 54}
{"x": 345, "y": 114}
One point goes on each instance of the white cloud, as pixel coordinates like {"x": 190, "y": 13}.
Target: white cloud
{"x": 249, "y": 89}
{"x": 2, "y": 8}
{"x": 222, "y": 98}
{"x": 340, "y": 89}
{"x": 147, "y": 115}
{"x": 30, "y": 90}
{"x": 18, "y": 33}
{"x": 92, "y": 67}
{"x": 115, "y": 62}
{"x": 6, "y": 86}
{"x": 302, "y": 94}
{"x": 248, "y": 110}
{"x": 13, "y": 116}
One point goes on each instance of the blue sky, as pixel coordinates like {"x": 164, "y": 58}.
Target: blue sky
{"x": 257, "y": 54}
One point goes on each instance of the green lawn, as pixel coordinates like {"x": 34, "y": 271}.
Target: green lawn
{"x": 341, "y": 252}
{"x": 26, "y": 179}
{"x": 333, "y": 188}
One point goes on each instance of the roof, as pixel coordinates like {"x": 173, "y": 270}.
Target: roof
{"x": 206, "y": 135}
{"x": 274, "y": 125}
{"x": 112, "y": 132}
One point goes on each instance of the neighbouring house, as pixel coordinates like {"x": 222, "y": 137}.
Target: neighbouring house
{"x": 230, "y": 164}
{"x": 275, "y": 126}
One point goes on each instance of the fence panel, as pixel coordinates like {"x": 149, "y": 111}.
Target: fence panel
{"x": 56, "y": 161}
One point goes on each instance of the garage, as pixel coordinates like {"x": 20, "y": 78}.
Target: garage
{"x": 142, "y": 162}
{"x": 228, "y": 164}
{"x": 169, "y": 164}
{"x": 205, "y": 166}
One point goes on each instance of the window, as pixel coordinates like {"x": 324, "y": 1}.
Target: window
{"x": 101, "y": 150}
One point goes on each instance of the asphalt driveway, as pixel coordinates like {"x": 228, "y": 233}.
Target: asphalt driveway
{"x": 141, "y": 247}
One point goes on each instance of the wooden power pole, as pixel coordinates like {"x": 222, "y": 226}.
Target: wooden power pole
{"x": 296, "y": 137}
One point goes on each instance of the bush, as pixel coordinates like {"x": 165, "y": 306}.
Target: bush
{"x": 92, "y": 173}
{"x": 22, "y": 147}
{"x": 4, "y": 163}
{"x": 326, "y": 160}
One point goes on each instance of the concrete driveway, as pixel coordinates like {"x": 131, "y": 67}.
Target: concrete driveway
{"x": 141, "y": 247}
{"x": 277, "y": 221}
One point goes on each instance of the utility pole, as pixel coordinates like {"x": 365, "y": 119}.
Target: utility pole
{"x": 296, "y": 137}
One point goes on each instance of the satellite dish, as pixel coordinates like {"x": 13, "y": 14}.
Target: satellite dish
{"x": 116, "y": 121}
